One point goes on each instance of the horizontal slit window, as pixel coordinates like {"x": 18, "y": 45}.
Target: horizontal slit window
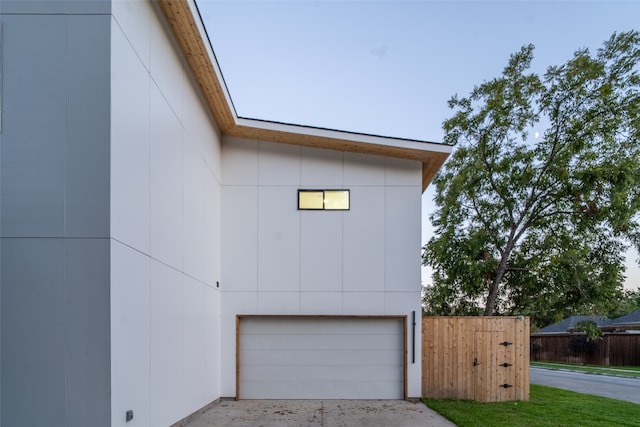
{"x": 327, "y": 200}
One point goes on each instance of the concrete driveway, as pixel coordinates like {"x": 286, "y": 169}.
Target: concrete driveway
{"x": 316, "y": 413}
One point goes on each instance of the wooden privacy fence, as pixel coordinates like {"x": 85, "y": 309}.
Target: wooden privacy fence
{"x": 475, "y": 358}
{"x": 612, "y": 350}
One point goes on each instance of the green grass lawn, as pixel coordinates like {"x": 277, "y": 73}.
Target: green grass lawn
{"x": 547, "y": 407}
{"x": 626, "y": 371}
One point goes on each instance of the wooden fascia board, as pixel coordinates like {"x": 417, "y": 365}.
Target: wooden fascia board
{"x": 431, "y": 161}
{"x": 188, "y": 33}
{"x": 431, "y": 167}
{"x": 186, "y": 30}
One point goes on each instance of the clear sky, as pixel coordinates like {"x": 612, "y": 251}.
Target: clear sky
{"x": 389, "y": 67}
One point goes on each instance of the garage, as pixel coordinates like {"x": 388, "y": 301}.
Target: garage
{"x": 321, "y": 357}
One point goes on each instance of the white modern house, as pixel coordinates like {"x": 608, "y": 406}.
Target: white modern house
{"x": 159, "y": 253}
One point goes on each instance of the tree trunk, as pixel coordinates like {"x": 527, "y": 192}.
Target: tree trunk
{"x": 492, "y": 293}
{"x": 494, "y": 286}
{"x": 491, "y": 298}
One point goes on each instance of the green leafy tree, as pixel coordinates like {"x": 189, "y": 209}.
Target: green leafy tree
{"x": 627, "y": 303}
{"x": 590, "y": 330}
{"x": 537, "y": 225}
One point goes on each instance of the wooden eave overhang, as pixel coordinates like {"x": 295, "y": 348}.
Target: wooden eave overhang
{"x": 190, "y": 35}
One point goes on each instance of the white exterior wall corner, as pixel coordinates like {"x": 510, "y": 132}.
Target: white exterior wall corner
{"x": 165, "y": 227}
{"x": 166, "y": 319}
{"x": 278, "y": 260}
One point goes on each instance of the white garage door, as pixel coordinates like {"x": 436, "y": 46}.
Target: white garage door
{"x": 321, "y": 358}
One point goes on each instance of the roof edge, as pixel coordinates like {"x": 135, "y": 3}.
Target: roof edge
{"x": 186, "y": 24}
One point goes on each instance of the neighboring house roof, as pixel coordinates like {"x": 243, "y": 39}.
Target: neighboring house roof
{"x": 628, "y": 319}
{"x": 570, "y": 323}
{"x": 193, "y": 41}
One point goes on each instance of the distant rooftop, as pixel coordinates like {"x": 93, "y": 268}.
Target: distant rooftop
{"x": 627, "y": 319}
{"x": 570, "y": 323}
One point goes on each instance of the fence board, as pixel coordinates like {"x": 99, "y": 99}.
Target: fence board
{"x": 450, "y": 345}
{"x": 612, "y": 350}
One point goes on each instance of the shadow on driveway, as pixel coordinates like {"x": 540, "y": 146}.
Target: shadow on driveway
{"x": 316, "y": 413}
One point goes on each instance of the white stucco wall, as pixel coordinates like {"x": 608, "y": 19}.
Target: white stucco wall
{"x": 165, "y": 227}
{"x": 278, "y": 260}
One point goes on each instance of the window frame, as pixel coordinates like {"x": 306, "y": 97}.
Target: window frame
{"x": 323, "y": 191}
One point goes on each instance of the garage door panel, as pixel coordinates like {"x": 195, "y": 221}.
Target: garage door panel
{"x": 327, "y": 357}
{"x": 321, "y": 358}
{"x": 328, "y": 325}
{"x": 321, "y": 373}
{"x": 318, "y": 342}
{"x": 323, "y": 390}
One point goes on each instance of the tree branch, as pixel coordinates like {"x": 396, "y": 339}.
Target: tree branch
{"x": 490, "y": 231}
